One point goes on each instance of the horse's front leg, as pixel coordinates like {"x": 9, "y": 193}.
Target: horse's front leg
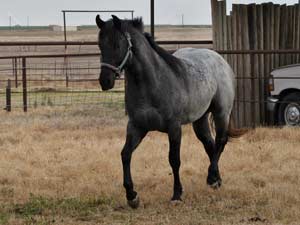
{"x": 174, "y": 134}
{"x": 134, "y": 137}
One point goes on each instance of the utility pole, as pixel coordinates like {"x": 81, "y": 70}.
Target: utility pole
{"x": 182, "y": 19}
{"x": 10, "y": 22}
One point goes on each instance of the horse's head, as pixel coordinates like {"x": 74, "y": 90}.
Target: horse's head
{"x": 115, "y": 45}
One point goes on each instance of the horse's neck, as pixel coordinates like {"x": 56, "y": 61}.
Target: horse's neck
{"x": 142, "y": 70}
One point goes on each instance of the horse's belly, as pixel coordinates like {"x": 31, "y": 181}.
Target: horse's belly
{"x": 195, "y": 111}
{"x": 148, "y": 118}
{"x": 198, "y": 100}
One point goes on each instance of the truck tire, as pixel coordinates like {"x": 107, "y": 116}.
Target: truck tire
{"x": 289, "y": 110}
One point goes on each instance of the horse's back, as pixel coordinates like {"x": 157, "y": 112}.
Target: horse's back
{"x": 210, "y": 66}
{"x": 207, "y": 60}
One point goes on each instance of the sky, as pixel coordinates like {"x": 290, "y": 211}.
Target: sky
{"x": 42, "y": 12}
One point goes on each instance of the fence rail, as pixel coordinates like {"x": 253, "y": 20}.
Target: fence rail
{"x": 63, "y": 43}
{"x": 34, "y": 80}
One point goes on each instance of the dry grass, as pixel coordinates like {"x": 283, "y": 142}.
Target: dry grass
{"x": 63, "y": 167}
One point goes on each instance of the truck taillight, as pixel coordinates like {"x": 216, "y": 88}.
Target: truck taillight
{"x": 271, "y": 83}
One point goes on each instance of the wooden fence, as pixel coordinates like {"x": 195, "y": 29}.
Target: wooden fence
{"x": 265, "y": 26}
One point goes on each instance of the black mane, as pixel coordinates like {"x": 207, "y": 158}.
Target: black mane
{"x": 138, "y": 24}
{"x": 171, "y": 60}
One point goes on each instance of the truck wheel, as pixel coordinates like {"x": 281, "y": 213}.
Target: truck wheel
{"x": 289, "y": 110}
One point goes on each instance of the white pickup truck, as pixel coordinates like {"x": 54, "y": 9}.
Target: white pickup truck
{"x": 284, "y": 99}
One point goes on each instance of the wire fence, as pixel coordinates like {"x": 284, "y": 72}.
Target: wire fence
{"x": 56, "y": 82}
{"x": 72, "y": 79}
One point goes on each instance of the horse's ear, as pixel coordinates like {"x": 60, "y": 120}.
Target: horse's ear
{"x": 100, "y": 23}
{"x": 117, "y": 22}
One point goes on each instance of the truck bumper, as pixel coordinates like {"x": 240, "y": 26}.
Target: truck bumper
{"x": 271, "y": 103}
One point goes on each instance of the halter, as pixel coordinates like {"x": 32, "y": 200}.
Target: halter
{"x": 118, "y": 70}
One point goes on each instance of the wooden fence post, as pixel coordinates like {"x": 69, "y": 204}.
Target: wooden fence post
{"x": 24, "y": 84}
{"x": 8, "y": 96}
{"x": 276, "y": 33}
{"x": 254, "y": 71}
{"x": 240, "y": 72}
{"x": 246, "y": 67}
{"x": 16, "y": 71}
{"x": 283, "y": 33}
{"x": 13, "y": 66}
{"x": 214, "y": 13}
{"x": 261, "y": 69}
{"x": 298, "y": 31}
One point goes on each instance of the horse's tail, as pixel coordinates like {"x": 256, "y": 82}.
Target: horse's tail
{"x": 235, "y": 132}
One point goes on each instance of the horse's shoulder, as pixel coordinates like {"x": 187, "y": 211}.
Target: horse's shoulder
{"x": 173, "y": 62}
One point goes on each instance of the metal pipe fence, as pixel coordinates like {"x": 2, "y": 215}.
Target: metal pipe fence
{"x": 36, "y": 80}
{"x": 56, "y": 83}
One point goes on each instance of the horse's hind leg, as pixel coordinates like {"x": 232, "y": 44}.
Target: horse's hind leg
{"x": 221, "y": 123}
{"x": 203, "y": 133}
{"x": 134, "y": 137}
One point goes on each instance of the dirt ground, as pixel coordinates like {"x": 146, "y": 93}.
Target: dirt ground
{"x": 63, "y": 166}
{"x": 161, "y": 33}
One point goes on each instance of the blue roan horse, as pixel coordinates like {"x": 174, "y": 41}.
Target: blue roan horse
{"x": 165, "y": 91}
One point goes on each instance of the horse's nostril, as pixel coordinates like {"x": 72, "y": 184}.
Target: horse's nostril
{"x": 105, "y": 83}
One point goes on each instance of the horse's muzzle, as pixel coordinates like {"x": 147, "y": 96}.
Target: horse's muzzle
{"x": 107, "y": 81}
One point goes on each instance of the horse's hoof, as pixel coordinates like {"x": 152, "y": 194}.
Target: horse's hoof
{"x": 176, "y": 202}
{"x": 134, "y": 203}
{"x": 216, "y": 185}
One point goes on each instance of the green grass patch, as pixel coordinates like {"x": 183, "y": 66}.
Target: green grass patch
{"x": 4, "y": 217}
{"x": 38, "y": 207}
